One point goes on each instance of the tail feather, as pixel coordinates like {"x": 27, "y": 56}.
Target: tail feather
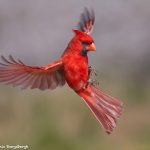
{"x": 105, "y": 108}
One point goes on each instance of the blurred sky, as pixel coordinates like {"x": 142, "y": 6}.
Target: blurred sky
{"x": 42, "y": 29}
{"x": 38, "y": 31}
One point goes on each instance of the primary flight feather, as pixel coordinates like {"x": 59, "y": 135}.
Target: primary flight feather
{"x": 72, "y": 68}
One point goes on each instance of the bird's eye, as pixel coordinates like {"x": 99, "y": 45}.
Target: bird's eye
{"x": 87, "y": 43}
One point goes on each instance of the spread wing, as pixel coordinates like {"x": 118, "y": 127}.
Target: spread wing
{"x": 16, "y": 73}
{"x": 87, "y": 20}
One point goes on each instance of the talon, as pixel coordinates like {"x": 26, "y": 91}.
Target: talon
{"x": 92, "y": 74}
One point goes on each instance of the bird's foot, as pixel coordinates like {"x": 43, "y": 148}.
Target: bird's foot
{"x": 93, "y": 82}
{"x": 92, "y": 71}
{"x": 92, "y": 75}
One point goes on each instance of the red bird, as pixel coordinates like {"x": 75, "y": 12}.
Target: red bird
{"x": 72, "y": 68}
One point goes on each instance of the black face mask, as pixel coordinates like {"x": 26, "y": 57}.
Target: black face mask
{"x": 84, "y": 51}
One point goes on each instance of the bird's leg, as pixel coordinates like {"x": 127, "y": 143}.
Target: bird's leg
{"x": 92, "y": 75}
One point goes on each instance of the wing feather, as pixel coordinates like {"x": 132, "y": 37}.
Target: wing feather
{"x": 16, "y": 73}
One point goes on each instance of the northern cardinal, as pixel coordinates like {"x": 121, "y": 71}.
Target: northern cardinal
{"x": 72, "y": 68}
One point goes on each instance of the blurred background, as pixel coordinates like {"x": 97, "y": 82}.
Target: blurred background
{"x": 37, "y": 32}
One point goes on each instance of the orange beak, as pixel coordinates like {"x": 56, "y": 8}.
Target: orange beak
{"x": 91, "y": 47}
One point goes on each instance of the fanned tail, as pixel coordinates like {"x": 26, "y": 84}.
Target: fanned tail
{"x": 105, "y": 108}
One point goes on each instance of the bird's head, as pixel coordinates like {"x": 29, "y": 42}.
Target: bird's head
{"x": 86, "y": 41}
